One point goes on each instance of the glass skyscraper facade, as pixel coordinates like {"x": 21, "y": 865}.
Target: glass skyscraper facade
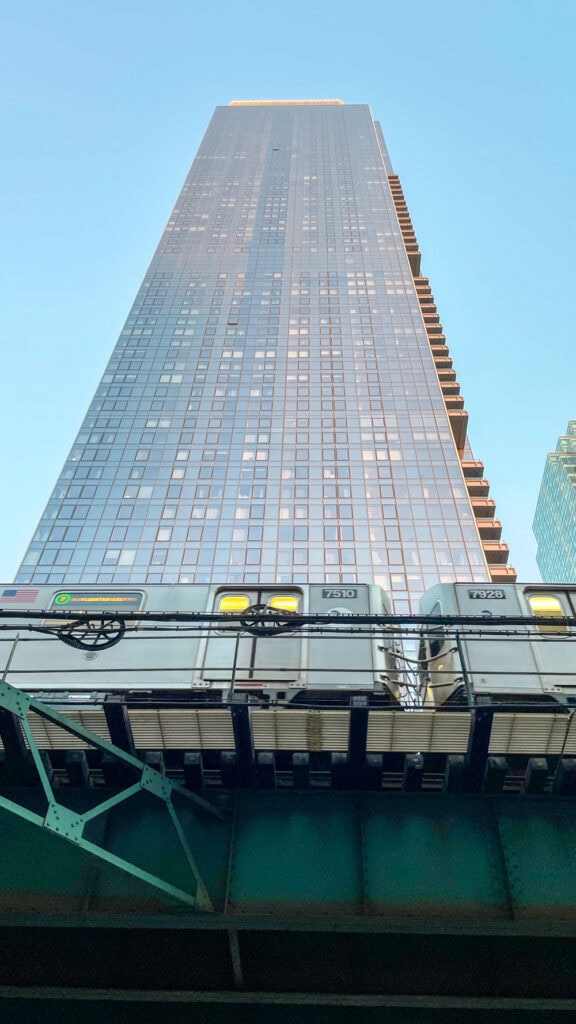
{"x": 280, "y": 405}
{"x": 555, "y": 517}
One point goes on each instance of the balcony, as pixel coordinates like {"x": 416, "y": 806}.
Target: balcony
{"x": 473, "y": 469}
{"x": 483, "y": 508}
{"x": 414, "y": 261}
{"x": 496, "y": 553}
{"x": 489, "y": 529}
{"x": 503, "y": 574}
{"x": 453, "y": 402}
{"x": 459, "y": 425}
{"x": 443, "y": 362}
{"x": 478, "y": 488}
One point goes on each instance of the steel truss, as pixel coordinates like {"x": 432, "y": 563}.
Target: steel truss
{"x": 79, "y": 827}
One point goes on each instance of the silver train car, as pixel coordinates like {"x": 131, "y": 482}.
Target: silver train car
{"x": 532, "y": 664}
{"x": 209, "y": 662}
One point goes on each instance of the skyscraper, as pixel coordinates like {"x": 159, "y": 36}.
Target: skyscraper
{"x": 555, "y": 517}
{"x": 281, "y": 405}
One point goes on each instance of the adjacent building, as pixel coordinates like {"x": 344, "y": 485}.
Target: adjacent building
{"x": 555, "y": 517}
{"x": 281, "y": 404}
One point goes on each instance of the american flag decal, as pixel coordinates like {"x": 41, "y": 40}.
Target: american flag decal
{"x": 21, "y": 596}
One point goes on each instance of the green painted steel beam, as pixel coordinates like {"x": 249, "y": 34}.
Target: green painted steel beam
{"x": 352, "y": 861}
{"x": 77, "y": 825}
{"x": 294, "y": 855}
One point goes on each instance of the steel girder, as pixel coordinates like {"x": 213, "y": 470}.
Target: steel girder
{"x": 334, "y": 905}
{"x": 292, "y": 853}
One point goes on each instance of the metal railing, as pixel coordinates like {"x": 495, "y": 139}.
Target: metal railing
{"x": 404, "y": 669}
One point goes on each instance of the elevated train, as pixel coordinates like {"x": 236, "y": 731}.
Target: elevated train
{"x": 204, "y": 643}
{"x": 272, "y": 656}
{"x": 530, "y": 662}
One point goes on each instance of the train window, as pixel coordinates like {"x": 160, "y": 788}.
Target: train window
{"x": 436, "y": 644}
{"x": 437, "y": 637}
{"x": 234, "y": 603}
{"x": 547, "y": 606}
{"x": 284, "y": 602}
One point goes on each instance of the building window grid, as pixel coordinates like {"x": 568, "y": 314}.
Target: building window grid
{"x": 326, "y": 384}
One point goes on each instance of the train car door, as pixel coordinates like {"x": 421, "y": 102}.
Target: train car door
{"x": 255, "y": 658}
{"x": 554, "y": 646}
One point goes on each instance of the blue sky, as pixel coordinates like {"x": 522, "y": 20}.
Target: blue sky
{"x": 103, "y": 106}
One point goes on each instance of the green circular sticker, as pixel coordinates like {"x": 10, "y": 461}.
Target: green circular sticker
{"x": 63, "y": 599}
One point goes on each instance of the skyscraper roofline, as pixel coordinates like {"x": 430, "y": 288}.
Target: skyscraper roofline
{"x": 285, "y": 103}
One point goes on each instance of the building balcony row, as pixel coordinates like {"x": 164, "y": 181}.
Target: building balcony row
{"x": 405, "y": 223}
{"x": 489, "y": 529}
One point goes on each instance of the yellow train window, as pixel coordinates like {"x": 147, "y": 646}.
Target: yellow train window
{"x": 284, "y": 602}
{"x": 547, "y": 606}
{"x": 234, "y": 603}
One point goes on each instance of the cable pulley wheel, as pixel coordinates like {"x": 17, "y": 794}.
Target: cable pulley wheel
{"x": 92, "y": 634}
{"x": 260, "y": 620}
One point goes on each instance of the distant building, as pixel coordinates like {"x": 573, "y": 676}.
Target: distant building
{"x": 281, "y": 405}
{"x": 555, "y": 518}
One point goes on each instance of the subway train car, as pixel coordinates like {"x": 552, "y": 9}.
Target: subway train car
{"x": 532, "y": 664}
{"x": 268, "y": 657}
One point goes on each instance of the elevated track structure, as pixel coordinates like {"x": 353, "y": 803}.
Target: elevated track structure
{"x": 355, "y": 859}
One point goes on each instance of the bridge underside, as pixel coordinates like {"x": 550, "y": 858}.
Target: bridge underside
{"x": 139, "y": 896}
{"x": 329, "y": 906}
